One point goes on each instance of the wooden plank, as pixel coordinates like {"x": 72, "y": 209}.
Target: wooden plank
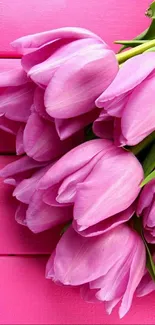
{"x": 28, "y": 298}
{"x": 111, "y": 19}
{"x": 17, "y": 239}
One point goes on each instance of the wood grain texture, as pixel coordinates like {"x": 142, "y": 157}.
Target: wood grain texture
{"x": 28, "y": 298}
{"x": 17, "y": 239}
{"x": 110, "y": 19}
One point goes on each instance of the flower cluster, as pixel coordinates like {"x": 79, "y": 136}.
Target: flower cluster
{"x": 85, "y": 132}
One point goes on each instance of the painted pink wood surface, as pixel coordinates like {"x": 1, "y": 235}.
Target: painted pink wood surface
{"x": 28, "y": 298}
{"x": 112, "y": 19}
{"x": 14, "y": 238}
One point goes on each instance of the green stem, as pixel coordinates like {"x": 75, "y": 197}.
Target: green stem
{"x": 122, "y": 57}
{"x": 143, "y": 144}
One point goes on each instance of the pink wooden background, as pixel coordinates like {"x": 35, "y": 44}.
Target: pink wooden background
{"x": 25, "y": 295}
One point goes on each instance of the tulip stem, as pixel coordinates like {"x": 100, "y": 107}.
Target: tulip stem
{"x": 122, "y": 57}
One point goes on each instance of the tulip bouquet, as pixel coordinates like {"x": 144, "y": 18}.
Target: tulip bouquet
{"x": 84, "y": 120}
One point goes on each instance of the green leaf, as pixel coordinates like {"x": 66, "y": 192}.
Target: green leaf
{"x": 130, "y": 43}
{"x": 150, "y": 12}
{"x": 143, "y": 144}
{"x": 147, "y": 34}
{"x": 149, "y": 162}
{"x": 148, "y": 179}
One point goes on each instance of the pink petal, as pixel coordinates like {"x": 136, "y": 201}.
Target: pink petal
{"x": 116, "y": 106}
{"x": 20, "y": 215}
{"x": 40, "y": 216}
{"x": 80, "y": 260}
{"x": 15, "y": 102}
{"x": 99, "y": 198}
{"x": 19, "y": 140}
{"x": 21, "y": 165}
{"x": 8, "y": 125}
{"x": 131, "y": 74}
{"x": 109, "y": 305}
{"x": 146, "y": 286}
{"x": 67, "y": 190}
{"x": 39, "y": 104}
{"x": 49, "y": 196}
{"x": 39, "y": 39}
{"x": 113, "y": 284}
{"x": 67, "y": 127}
{"x": 107, "y": 224}
{"x": 89, "y": 295}
{"x": 146, "y": 197}
{"x": 103, "y": 127}
{"x": 74, "y": 160}
{"x": 79, "y": 81}
{"x": 60, "y": 51}
{"x": 136, "y": 274}
{"x": 41, "y": 141}
{"x": 25, "y": 189}
{"x": 12, "y": 73}
{"x": 138, "y": 119}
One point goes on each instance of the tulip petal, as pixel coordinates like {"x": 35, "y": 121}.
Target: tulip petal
{"x": 39, "y": 106}
{"x": 60, "y": 51}
{"x": 12, "y": 73}
{"x": 136, "y": 274}
{"x": 21, "y": 165}
{"x": 67, "y": 127}
{"x": 107, "y": 224}
{"x": 40, "y": 216}
{"x": 138, "y": 119}
{"x": 15, "y": 102}
{"x": 49, "y": 196}
{"x": 146, "y": 286}
{"x": 109, "y": 305}
{"x": 41, "y": 141}
{"x": 74, "y": 160}
{"x": 80, "y": 260}
{"x": 25, "y": 189}
{"x": 146, "y": 197}
{"x": 20, "y": 215}
{"x": 79, "y": 81}
{"x": 103, "y": 127}
{"x": 19, "y": 141}
{"x": 131, "y": 74}
{"x": 89, "y": 294}
{"x": 67, "y": 190}
{"x": 39, "y": 39}
{"x": 99, "y": 197}
{"x": 9, "y": 125}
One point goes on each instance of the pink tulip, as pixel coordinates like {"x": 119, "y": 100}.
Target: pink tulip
{"x": 146, "y": 285}
{"x": 105, "y": 266}
{"x": 22, "y": 112}
{"x": 32, "y": 212}
{"x": 128, "y": 113}
{"x": 101, "y": 180}
{"x": 16, "y": 95}
{"x": 146, "y": 209}
{"x": 74, "y": 66}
